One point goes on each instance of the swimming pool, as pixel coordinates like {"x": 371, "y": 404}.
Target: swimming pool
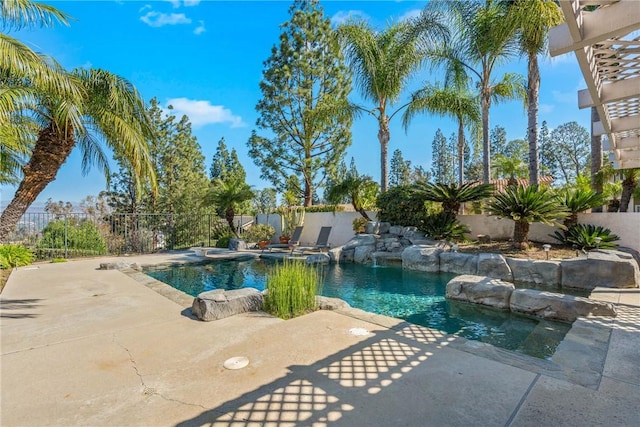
{"x": 416, "y": 297}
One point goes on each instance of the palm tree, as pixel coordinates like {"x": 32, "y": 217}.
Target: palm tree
{"x": 227, "y": 195}
{"x": 526, "y": 205}
{"x": 23, "y": 74}
{"x": 629, "y": 183}
{"x": 483, "y": 42}
{"x": 110, "y": 110}
{"x": 511, "y": 167}
{"x": 455, "y": 102}
{"x": 533, "y": 19}
{"x": 383, "y": 62}
{"x": 361, "y": 191}
{"x": 579, "y": 200}
{"x": 453, "y": 195}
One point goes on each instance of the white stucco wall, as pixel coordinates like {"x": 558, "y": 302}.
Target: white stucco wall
{"x": 625, "y": 225}
{"x": 341, "y": 223}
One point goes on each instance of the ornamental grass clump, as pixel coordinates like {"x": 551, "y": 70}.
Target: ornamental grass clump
{"x": 15, "y": 256}
{"x": 291, "y": 289}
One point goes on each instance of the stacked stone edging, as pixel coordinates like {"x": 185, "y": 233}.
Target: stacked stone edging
{"x": 612, "y": 269}
{"x": 502, "y": 295}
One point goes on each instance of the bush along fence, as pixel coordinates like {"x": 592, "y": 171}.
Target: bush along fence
{"x": 75, "y": 235}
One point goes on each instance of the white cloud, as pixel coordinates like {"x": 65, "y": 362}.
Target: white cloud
{"x": 188, "y": 3}
{"x": 545, "y": 108}
{"x": 175, "y": 3}
{"x": 145, "y": 7}
{"x": 202, "y": 113}
{"x": 158, "y": 19}
{"x": 342, "y": 16}
{"x": 200, "y": 28}
{"x": 410, "y": 14}
{"x": 87, "y": 65}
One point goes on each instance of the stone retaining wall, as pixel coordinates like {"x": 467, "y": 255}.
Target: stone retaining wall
{"x": 611, "y": 269}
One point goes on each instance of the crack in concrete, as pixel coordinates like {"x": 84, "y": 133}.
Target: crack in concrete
{"x": 146, "y": 390}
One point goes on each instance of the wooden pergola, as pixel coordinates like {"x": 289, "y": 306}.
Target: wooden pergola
{"x": 605, "y": 37}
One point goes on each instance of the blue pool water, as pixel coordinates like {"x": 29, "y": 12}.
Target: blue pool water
{"x": 416, "y": 297}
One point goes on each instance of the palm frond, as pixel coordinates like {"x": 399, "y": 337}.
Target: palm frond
{"x": 18, "y": 14}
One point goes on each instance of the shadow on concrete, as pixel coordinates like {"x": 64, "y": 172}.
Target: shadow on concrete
{"x": 327, "y": 391}
{"x": 18, "y": 304}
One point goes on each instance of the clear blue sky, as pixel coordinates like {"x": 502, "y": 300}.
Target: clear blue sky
{"x": 205, "y": 58}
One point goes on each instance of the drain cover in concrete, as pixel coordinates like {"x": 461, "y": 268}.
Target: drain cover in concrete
{"x": 358, "y": 331}
{"x": 238, "y": 362}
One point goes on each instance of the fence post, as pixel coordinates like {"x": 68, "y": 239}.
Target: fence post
{"x": 65, "y": 236}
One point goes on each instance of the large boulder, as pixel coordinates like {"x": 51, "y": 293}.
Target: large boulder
{"x": 362, "y": 254}
{"x": 396, "y": 230}
{"x": 609, "y": 269}
{"x": 384, "y": 227}
{"x": 494, "y": 265}
{"x": 555, "y": 306}
{"x": 237, "y": 244}
{"x": 218, "y": 304}
{"x": 536, "y": 272}
{"x": 371, "y": 227}
{"x": 480, "y": 290}
{"x": 455, "y": 262}
{"x": 422, "y": 258}
{"x": 360, "y": 240}
{"x": 328, "y": 303}
{"x": 318, "y": 259}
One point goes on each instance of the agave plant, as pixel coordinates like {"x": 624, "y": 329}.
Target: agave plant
{"x": 583, "y": 236}
{"x": 453, "y": 195}
{"x": 444, "y": 226}
{"x": 579, "y": 200}
{"x": 526, "y": 205}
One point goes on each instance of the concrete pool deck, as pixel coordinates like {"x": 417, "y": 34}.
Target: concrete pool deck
{"x": 89, "y": 347}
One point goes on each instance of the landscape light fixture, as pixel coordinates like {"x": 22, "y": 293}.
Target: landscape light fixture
{"x": 598, "y": 240}
{"x": 546, "y": 248}
{"x": 454, "y": 247}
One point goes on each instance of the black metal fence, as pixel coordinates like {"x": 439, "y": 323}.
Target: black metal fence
{"x": 75, "y": 235}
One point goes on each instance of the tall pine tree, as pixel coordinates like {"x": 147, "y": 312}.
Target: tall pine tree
{"x": 442, "y": 169}
{"x": 304, "y": 103}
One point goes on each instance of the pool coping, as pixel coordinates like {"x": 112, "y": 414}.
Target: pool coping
{"x": 579, "y": 359}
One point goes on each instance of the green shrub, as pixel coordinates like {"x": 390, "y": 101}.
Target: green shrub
{"x": 14, "y": 256}
{"x": 359, "y": 225}
{"x": 443, "y": 226}
{"x": 324, "y": 208}
{"x": 583, "y": 236}
{"x": 291, "y": 289}
{"x": 223, "y": 242}
{"x": 80, "y": 235}
{"x": 401, "y": 205}
{"x": 58, "y": 260}
{"x": 258, "y": 232}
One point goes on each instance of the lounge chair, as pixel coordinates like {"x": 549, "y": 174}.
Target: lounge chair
{"x": 295, "y": 241}
{"x": 321, "y": 243}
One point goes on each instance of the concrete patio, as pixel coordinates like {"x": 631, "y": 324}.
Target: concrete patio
{"x": 88, "y": 347}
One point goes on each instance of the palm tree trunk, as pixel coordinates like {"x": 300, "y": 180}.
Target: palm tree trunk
{"x": 460, "y": 152}
{"x": 628, "y": 185}
{"x": 596, "y": 157}
{"x": 384, "y": 137}
{"x": 229, "y": 215}
{"x": 49, "y": 153}
{"x": 533, "y": 89}
{"x": 486, "y": 148}
{"x": 521, "y": 234}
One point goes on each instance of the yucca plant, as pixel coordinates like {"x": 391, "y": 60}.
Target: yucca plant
{"x": 579, "y": 200}
{"x": 291, "y": 289}
{"x": 451, "y": 196}
{"x": 444, "y": 226}
{"x": 526, "y": 205}
{"x": 15, "y": 256}
{"x": 583, "y": 236}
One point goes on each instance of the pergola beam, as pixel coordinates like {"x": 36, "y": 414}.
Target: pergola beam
{"x": 617, "y": 19}
{"x": 611, "y": 92}
{"x": 625, "y": 155}
{"x": 617, "y": 125}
